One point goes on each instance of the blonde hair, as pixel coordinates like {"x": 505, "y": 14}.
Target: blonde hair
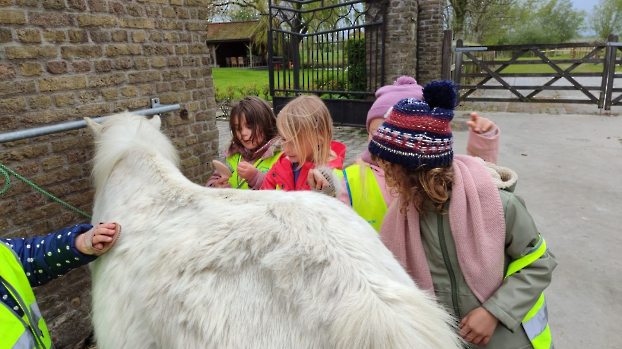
{"x": 419, "y": 186}
{"x": 306, "y": 120}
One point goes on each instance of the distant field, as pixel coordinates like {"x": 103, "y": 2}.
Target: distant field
{"x": 545, "y": 68}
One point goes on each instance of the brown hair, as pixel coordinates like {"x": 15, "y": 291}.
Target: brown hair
{"x": 306, "y": 120}
{"x": 259, "y": 118}
{"x": 419, "y": 186}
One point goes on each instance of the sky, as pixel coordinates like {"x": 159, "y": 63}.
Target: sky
{"x": 587, "y": 6}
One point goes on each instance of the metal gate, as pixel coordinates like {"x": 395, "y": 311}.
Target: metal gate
{"x": 330, "y": 48}
{"x": 479, "y": 68}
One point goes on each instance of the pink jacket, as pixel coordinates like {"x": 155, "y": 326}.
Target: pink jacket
{"x": 485, "y": 146}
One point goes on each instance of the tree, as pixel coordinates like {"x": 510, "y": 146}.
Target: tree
{"x": 544, "y": 22}
{"x": 473, "y": 20}
{"x": 224, "y": 10}
{"x": 606, "y": 18}
{"x": 487, "y": 17}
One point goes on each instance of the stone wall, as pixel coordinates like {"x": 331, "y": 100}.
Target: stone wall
{"x": 414, "y": 27}
{"x": 430, "y": 32}
{"x": 401, "y": 40}
{"x": 62, "y": 60}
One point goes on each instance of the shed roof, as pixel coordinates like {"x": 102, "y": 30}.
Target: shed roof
{"x": 231, "y": 31}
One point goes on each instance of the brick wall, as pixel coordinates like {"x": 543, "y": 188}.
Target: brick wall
{"x": 403, "y": 31}
{"x": 401, "y": 43}
{"x": 430, "y": 31}
{"x": 62, "y": 60}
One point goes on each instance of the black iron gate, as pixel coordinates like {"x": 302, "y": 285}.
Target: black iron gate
{"x": 330, "y": 48}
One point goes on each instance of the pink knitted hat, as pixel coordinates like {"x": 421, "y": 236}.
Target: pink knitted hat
{"x": 387, "y": 96}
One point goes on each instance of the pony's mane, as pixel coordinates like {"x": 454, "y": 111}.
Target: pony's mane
{"x": 123, "y": 134}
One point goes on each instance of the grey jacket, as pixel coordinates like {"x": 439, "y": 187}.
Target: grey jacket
{"x": 517, "y": 294}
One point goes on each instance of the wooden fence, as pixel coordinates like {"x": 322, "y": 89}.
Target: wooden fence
{"x": 477, "y": 68}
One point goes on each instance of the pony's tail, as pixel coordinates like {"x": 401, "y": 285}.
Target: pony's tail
{"x": 394, "y": 316}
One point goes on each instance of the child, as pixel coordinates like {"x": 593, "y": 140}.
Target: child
{"x": 254, "y": 147}
{"x": 364, "y": 184}
{"x": 26, "y": 263}
{"x": 458, "y": 229}
{"x": 306, "y": 129}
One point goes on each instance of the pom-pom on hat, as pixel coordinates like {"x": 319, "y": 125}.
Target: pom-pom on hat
{"x": 417, "y": 133}
{"x": 387, "y": 96}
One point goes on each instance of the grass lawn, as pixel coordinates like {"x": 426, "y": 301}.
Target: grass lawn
{"x": 238, "y": 78}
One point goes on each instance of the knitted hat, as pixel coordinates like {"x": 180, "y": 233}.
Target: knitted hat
{"x": 387, "y": 96}
{"x": 417, "y": 133}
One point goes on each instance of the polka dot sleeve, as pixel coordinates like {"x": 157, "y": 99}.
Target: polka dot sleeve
{"x": 48, "y": 257}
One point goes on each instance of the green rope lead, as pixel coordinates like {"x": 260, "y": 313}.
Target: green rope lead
{"x": 5, "y": 172}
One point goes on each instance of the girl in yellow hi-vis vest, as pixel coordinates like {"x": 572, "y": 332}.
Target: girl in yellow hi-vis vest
{"x": 254, "y": 145}
{"x": 26, "y": 263}
{"x": 363, "y": 183}
{"x": 458, "y": 229}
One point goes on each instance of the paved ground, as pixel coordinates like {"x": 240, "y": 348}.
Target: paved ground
{"x": 570, "y": 170}
{"x": 543, "y": 108}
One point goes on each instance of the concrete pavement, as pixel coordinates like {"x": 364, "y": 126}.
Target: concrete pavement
{"x": 570, "y": 175}
{"x": 543, "y": 108}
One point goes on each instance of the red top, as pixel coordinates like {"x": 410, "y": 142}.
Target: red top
{"x": 281, "y": 175}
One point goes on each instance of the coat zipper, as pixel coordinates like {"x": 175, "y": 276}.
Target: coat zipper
{"x": 450, "y": 270}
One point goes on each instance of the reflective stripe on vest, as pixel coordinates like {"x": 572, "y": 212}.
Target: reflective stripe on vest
{"x": 263, "y": 165}
{"x": 28, "y": 331}
{"x": 536, "y": 322}
{"x": 365, "y": 194}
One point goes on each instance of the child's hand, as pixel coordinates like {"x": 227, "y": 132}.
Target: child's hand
{"x": 479, "y": 124}
{"x": 222, "y": 182}
{"x": 478, "y": 326}
{"x": 103, "y": 234}
{"x": 316, "y": 180}
{"x": 246, "y": 170}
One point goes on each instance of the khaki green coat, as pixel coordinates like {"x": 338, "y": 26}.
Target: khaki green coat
{"x": 517, "y": 294}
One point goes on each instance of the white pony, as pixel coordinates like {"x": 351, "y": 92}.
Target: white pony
{"x": 197, "y": 267}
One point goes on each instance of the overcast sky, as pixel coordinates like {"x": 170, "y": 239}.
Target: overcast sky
{"x": 586, "y": 5}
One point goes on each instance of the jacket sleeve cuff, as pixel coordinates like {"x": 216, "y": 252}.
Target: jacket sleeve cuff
{"x": 84, "y": 258}
{"x": 256, "y": 181}
{"x": 212, "y": 180}
{"x": 485, "y": 146}
{"x": 501, "y": 315}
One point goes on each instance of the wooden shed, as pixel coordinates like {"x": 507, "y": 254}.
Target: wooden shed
{"x": 230, "y": 44}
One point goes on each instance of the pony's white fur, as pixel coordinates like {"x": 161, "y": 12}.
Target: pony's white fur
{"x": 198, "y": 267}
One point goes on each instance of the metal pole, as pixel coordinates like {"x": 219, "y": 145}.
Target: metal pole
{"x": 74, "y": 125}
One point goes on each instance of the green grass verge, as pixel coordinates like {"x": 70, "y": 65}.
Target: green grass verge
{"x": 224, "y": 77}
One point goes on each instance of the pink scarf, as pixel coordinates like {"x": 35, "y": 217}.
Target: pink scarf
{"x": 477, "y": 224}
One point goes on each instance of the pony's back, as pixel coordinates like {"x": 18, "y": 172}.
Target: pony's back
{"x": 198, "y": 267}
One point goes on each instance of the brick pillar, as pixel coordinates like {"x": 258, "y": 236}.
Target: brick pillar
{"x": 404, "y": 34}
{"x": 430, "y": 33}
{"x": 64, "y": 60}
{"x": 401, "y": 40}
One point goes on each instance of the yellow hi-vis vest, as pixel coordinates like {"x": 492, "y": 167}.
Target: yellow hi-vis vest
{"x": 365, "y": 194}
{"x": 536, "y": 322}
{"x": 263, "y": 165}
{"x": 28, "y": 331}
